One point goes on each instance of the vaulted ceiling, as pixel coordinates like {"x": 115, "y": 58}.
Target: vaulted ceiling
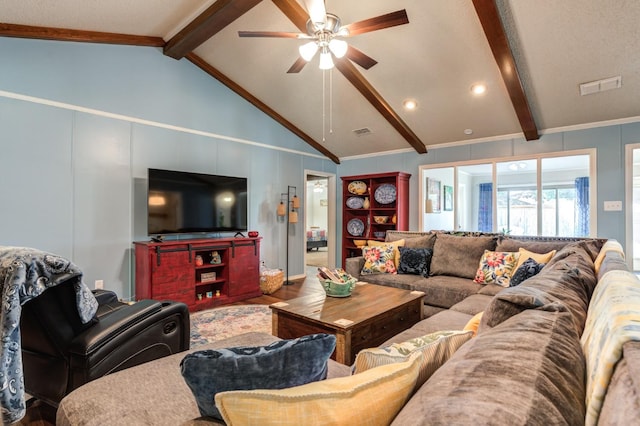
{"x": 531, "y": 55}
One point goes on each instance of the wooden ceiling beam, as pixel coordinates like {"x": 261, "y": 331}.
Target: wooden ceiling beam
{"x": 299, "y": 17}
{"x": 64, "y": 34}
{"x": 215, "y": 73}
{"x": 492, "y": 26}
{"x": 356, "y": 78}
{"x": 206, "y": 25}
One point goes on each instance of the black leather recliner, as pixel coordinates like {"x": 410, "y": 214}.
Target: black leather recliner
{"x": 59, "y": 353}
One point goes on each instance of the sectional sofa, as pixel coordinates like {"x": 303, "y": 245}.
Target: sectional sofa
{"x": 536, "y": 357}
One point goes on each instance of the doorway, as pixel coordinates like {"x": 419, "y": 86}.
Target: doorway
{"x": 319, "y": 221}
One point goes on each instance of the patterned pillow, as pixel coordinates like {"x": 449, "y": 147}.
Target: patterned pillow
{"x": 275, "y": 366}
{"x": 496, "y": 267}
{"x": 395, "y": 244}
{"x": 372, "y": 398}
{"x": 378, "y": 259}
{"x": 528, "y": 269}
{"x": 436, "y": 349}
{"x": 414, "y": 261}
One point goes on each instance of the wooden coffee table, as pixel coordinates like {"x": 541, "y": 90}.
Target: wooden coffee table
{"x": 367, "y": 318}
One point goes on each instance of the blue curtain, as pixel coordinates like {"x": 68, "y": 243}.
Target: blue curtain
{"x": 485, "y": 208}
{"x": 582, "y": 206}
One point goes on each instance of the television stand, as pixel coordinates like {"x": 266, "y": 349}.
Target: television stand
{"x": 202, "y": 273}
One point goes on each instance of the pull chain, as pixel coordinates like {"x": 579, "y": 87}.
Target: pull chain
{"x": 324, "y": 109}
{"x": 331, "y": 101}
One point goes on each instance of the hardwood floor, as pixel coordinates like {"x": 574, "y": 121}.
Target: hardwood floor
{"x": 40, "y": 414}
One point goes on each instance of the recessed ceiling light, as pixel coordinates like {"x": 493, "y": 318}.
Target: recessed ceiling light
{"x": 478, "y": 89}
{"x": 410, "y": 104}
{"x": 468, "y": 131}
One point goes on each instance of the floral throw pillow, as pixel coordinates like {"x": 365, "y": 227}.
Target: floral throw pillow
{"x": 414, "y": 261}
{"x": 496, "y": 267}
{"x": 378, "y": 260}
{"x": 528, "y": 269}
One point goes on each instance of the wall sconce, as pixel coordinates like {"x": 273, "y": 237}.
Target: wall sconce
{"x": 428, "y": 206}
{"x": 282, "y": 209}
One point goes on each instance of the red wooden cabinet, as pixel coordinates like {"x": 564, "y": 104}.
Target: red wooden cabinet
{"x": 201, "y": 273}
{"x": 365, "y": 197}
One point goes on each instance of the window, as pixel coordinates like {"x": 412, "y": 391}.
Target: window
{"x": 547, "y": 194}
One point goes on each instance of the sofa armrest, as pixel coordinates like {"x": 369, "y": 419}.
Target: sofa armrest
{"x": 353, "y": 266}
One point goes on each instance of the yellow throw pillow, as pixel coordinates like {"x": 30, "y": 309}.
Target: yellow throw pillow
{"x": 395, "y": 244}
{"x": 538, "y": 257}
{"x": 610, "y": 245}
{"x": 371, "y": 398}
{"x": 436, "y": 348}
{"x": 473, "y": 323}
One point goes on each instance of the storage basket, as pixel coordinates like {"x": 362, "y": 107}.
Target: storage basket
{"x": 271, "y": 280}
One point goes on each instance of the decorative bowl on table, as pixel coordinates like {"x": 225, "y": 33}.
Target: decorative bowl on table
{"x": 360, "y": 243}
{"x": 336, "y": 289}
{"x": 379, "y": 234}
{"x": 380, "y": 219}
{"x": 253, "y": 234}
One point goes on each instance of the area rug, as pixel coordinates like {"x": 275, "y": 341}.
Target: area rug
{"x": 221, "y": 323}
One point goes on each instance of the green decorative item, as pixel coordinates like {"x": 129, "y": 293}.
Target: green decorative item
{"x": 338, "y": 289}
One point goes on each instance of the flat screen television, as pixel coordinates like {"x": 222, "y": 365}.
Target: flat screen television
{"x": 184, "y": 203}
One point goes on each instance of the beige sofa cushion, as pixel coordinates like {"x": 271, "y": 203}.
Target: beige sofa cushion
{"x": 567, "y": 282}
{"x": 527, "y": 371}
{"x": 459, "y": 256}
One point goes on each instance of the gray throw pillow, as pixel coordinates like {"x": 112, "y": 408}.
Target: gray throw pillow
{"x": 282, "y": 364}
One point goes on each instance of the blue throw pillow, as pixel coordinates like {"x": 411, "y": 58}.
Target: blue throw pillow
{"x": 414, "y": 261}
{"x": 282, "y": 364}
{"x": 528, "y": 269}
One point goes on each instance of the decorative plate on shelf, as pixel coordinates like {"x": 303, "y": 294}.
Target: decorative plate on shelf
{"x": 355, "y": 227}
{"x": 357, "y": 187}
{"x": 355, "y": 202}
{"x": 385, "y": 193}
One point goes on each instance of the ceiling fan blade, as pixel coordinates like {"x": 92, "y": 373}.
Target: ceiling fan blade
{"x": 273, "y": 34}
{"x": 360, "y": 58}
{"x": 392, "y": 19}
{"x": 297, "y": 66}
{"x": 317, "y": 11}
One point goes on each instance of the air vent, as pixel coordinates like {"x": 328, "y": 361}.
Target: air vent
{"x": 600, "y": 85}
{"x": 363, "y": 131}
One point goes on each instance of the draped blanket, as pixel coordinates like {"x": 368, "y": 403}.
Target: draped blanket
{"x": 613, "y": 320}
{"x": 26, "y": 273}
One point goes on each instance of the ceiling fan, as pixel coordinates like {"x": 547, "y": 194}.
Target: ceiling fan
{"x": 325, "y": 32}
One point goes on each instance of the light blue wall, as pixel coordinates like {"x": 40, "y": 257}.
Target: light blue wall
{"x": 609, "y": 142}
{"x": 73, "y": 175}
{"x": 72, "y": 180}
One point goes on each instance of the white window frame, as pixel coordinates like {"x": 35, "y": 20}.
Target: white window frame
{"x": 593, "y": 183}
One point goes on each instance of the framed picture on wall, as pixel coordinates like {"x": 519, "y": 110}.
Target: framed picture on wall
{"x": 433, "y": 196}
{"x": 448, "y": 198}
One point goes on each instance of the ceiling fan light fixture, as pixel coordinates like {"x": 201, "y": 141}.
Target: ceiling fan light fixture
{"x": 326, "y": 63}
{"x": 308, "y": 50}
{"x": 338, "y": 47}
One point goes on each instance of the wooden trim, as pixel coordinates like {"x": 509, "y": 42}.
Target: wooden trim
{"x": 492, "y": 25}
{"x": 64, "y": 34}
{"x": 208, "y": 23}
{"x": 215, "y": 73}
{"x": 371, "y": 94}
{"x": 295, "y": 13}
